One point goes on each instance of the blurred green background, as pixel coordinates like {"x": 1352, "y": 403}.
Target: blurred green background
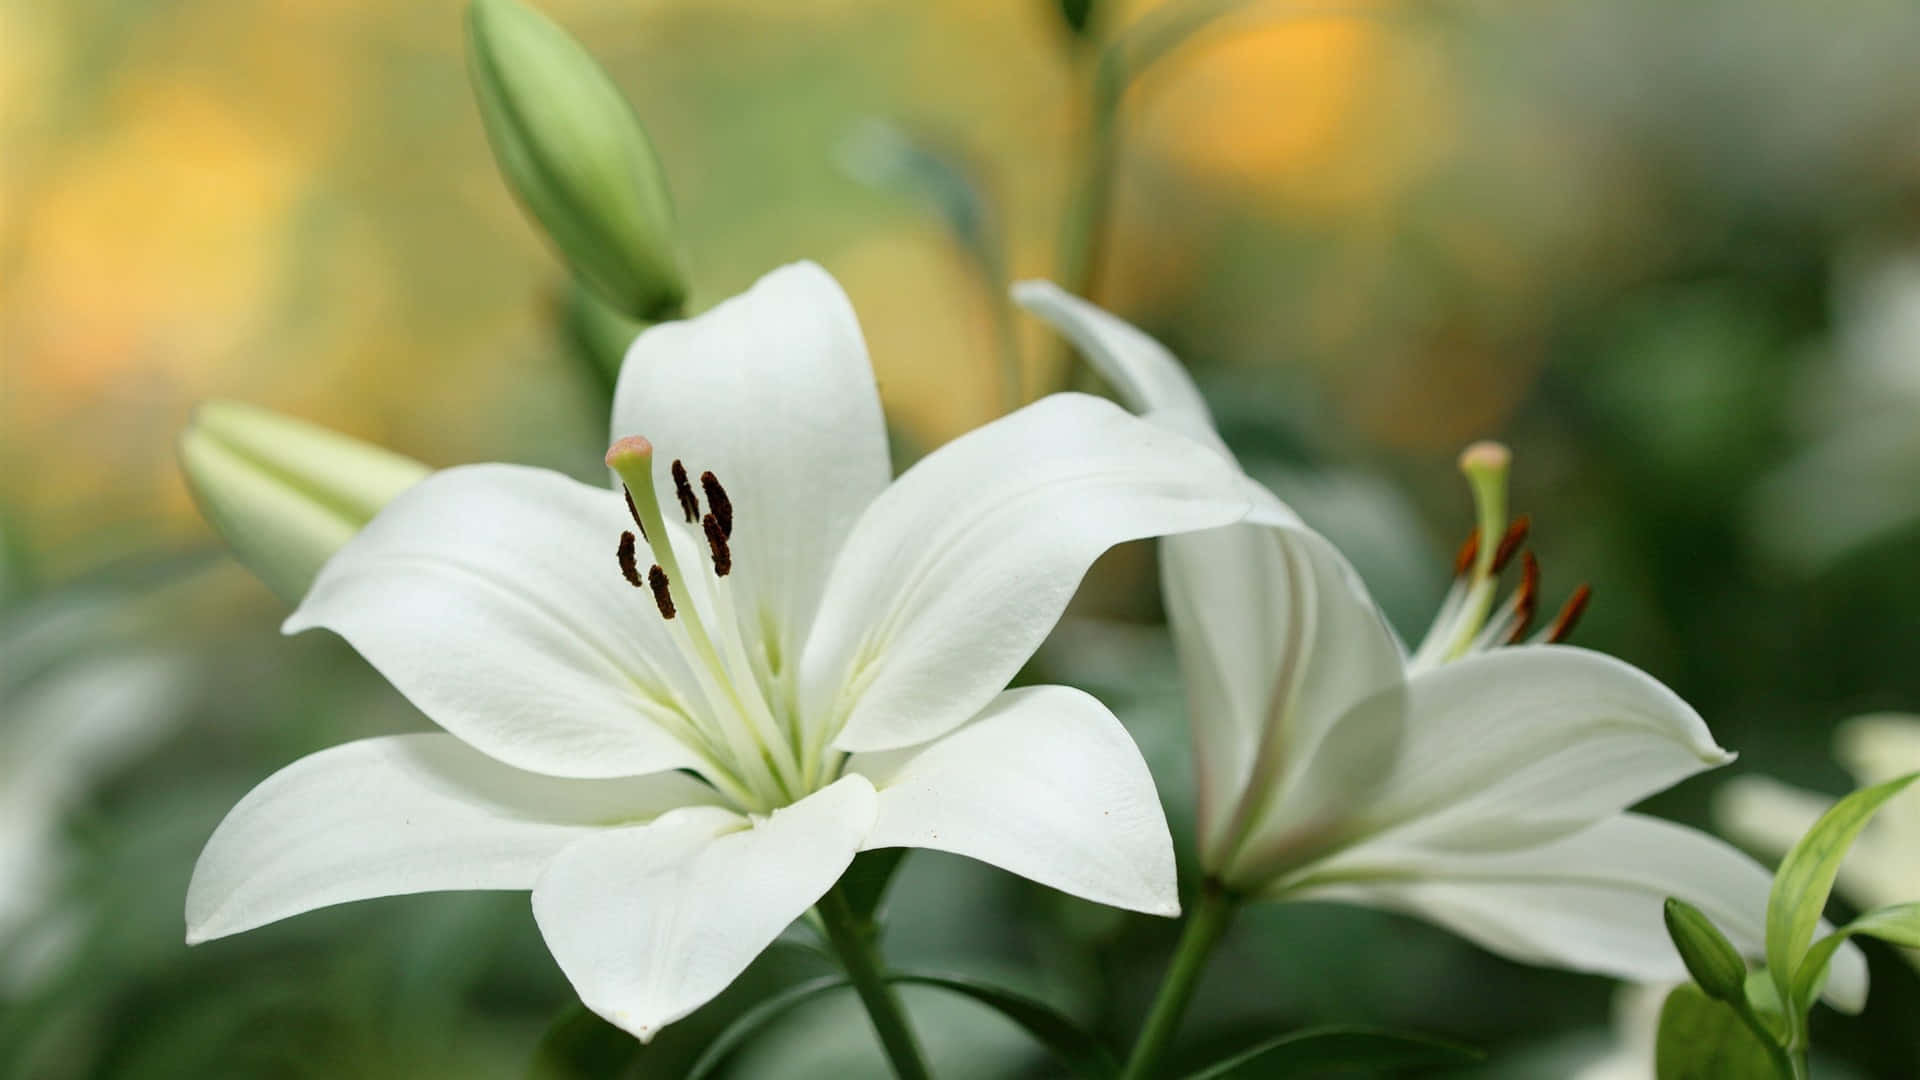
{"x": 1671, "y": 253}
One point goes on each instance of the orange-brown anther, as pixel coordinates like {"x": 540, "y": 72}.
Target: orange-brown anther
{"x": 1463, "y": 561}
{"x": 1564, "y": 622}
{"x": 634, "y": 512}
{"x": 718, "y": 502}
{"x": 717, "y": 545}
{"x": 1526, "y": 599}
{"x": 662, "y": 595}
{"x": 1510, "y": 543}
{"x": 629, "y": 568}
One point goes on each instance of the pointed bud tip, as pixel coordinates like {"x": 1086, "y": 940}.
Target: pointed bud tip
{"x": 629, "y": 449}
{"x": 1485, "y": 456}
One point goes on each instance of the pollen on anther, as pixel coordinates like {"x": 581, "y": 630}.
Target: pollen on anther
{"x": 662, "y": 595}
{"x": 689, "y": 505}
{"x": 1526, "y": 599}
{"x": 717, "y": 544}
{"x": 1510, "y": 543}
{"x": 1463, "y": 559}
{"x": 1569, "y": 616}
{"x": 629, "y": 569}
{"x": 634, "y": 512}
{"x": 717, "y": 501}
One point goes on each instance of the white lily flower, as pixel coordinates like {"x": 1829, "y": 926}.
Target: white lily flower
{"x": 801, "y": 664}
{"x": 1883, "y": 866}
{"x": 1473, "y": 782}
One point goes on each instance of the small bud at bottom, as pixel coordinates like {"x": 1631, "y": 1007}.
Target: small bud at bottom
{"x": 1710, "y": 958}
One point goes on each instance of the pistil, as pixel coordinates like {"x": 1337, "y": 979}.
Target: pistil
{"x": 739, "y": 709}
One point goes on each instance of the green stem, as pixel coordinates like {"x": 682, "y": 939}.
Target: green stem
{"x": 852, "y": 939}
{"x": 1211, "y": 913}
{"x": 1789, "y": 1064}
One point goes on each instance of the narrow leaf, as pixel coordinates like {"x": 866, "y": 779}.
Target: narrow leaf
{"x": 1340, "y": 1047}
{"x": 1704, "y": 1039}
{"x": 1805, "y": 879}
{"x": 749, "y": 1023}
{"x": 1080, "y": 1052}
{"x": 1896, "y": 923}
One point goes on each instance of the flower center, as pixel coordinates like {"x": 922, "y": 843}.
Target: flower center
{"x": 1468, "y": 621}
{"x": 755, "y": 756}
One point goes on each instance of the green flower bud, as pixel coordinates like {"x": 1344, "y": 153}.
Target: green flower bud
{"x": 1710, "y": 958}
{"x": 283, "y": 493}
{"x": 576, "y": 157}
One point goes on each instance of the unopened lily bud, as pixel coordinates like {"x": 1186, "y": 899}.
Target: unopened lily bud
{"x": 1710, "y": 958}
{"x": 575, "y": 155}
{"x": 285, "y": 494}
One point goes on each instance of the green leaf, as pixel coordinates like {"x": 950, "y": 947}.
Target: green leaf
{"x": 1081, "y": 1053}
{"x": 1897, "y": 923}
{"x": 749, "y": 1023}
{"x": 1805, "y": 879}
{"x": 581, "y": 1045}
{"x": 1704, "y": 1039}
{"x": 1341, "y": 1047}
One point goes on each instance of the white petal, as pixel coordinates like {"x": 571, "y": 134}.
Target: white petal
{"x": 650, "y": 923}
{"x": 1278, "y": 639}
{"x": 955, "y": 574}
{"x": 1142, "y": 372}
{"x": 1590, "y": 901}
{"x": 773, "y": 393}
{"x": 398, "y": 815}
{"x": 1519, "y": 745}
{"x": 1047, "y": 784}
{"x": 490, "y": 596}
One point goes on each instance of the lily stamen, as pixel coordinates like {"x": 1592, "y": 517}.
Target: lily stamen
{"x": 1468, "y": 621}
{"x": 662, "y": 590}
{"x": 1569, "y": 616}
{"x": 717, "y": 502}
{"x": 689, "y": 504}
{"x": 629, "y": 565}
{"x": 709, "y": 640}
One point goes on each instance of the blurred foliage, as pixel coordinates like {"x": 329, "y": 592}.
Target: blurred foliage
{"x": 1625, "y": 236}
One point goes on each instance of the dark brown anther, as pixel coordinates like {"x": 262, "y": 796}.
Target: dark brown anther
{"x": 1563, "y": 623}
{"x": 718, "y": 502}
{"x": 1510, "y": 543}
{"x": 629, "y": 569}
{"x": 717, "y": 544}
{"x": 689, "y": 505}
{"x": 1526, "y": 599}
{"x": 634, "y": 511}
{"x": 662, "y": 596}
{"x": 1464, "y": 559}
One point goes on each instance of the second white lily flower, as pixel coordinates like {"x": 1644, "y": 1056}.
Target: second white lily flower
{"x": 676, "y": 712}
{"x": 1478, "y": 784}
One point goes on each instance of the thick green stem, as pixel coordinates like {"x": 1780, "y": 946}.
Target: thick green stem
{"x": 1211, "y": 913}
{"x": 852, "y": 940}
{"x": 1791, "y": 1065}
